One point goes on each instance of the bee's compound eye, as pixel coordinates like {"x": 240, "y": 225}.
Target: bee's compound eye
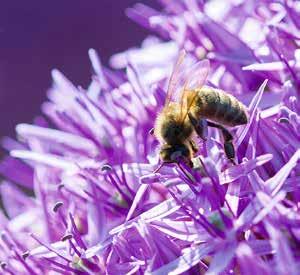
{"x": 176, "y": 155}
{"x": 176, "y": 131}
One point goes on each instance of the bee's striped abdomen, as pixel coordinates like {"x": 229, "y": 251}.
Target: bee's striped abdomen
{"x": 220, "y": 107}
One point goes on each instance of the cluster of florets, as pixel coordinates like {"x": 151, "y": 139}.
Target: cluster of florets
{"x": 80, "y": 195}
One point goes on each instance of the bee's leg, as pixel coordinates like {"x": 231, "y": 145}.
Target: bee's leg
{"x": 200, "y": 126}
{"x": 228, "y": 146}
{"x": 194, "y": 146}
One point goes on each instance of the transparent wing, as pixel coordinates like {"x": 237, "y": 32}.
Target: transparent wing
{"x": 174, "y": 79}
{"x": 193, "y": 78}
{"x": 184, "y": 79}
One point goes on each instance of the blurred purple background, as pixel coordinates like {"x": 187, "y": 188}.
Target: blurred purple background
{"x": 37, "y": 36}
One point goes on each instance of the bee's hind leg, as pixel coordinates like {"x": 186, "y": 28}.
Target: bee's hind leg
{"x": 228, "y": 138}
{"x": 200, "y": 126}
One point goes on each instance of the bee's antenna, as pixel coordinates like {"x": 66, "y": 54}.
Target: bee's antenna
{"x": 183, "y": 171}
{"x": 159, "y": 167}
{"x": 192, "y": 182}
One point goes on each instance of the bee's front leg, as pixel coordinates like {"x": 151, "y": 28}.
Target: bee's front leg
{"x": 194, "y": 146}
{"x": 200, "y": 126}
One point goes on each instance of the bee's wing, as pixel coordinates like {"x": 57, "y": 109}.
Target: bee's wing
{"x": 185, "y": 79}
{"x": 196, "y": 75}
{"x": 195, "y": 78}
{"x": 175, "y": 77}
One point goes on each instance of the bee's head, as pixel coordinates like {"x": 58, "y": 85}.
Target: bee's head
{"x": 174, "y": 153}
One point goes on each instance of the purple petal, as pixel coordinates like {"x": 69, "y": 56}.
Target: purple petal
{"x": 222, "y": 258}
{"x": 242, "y": 170}
{"x": 250, "y": 264}
{"x": 252, "y": 110}
{"x": 190, "y": 258}
{"x": 275, "y": 183}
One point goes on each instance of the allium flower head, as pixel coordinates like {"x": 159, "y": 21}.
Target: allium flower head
{"x": 81, "y": 194}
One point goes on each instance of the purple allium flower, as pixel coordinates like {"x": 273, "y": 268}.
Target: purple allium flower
{"x": 81, "y": 195}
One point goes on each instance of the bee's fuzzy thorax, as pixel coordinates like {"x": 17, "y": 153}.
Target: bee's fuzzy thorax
{"x": 169, "y": 126}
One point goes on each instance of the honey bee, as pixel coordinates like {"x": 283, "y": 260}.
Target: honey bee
{"x": 196, "y": 108}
